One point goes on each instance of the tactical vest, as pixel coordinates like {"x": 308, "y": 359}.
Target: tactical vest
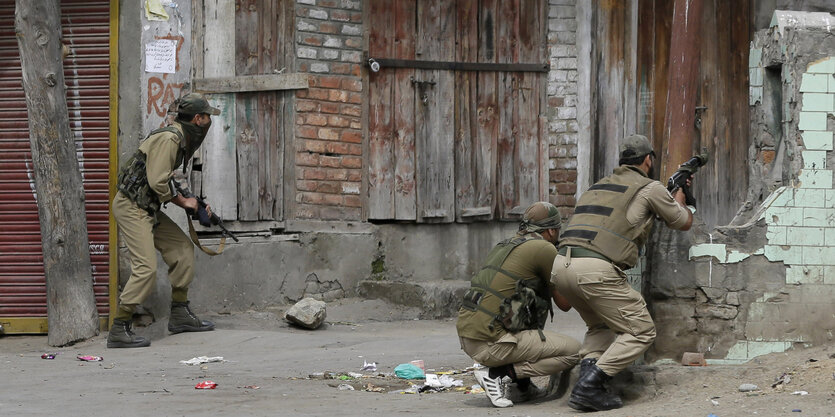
{"x": 133, "y": 178}
{"x": 525, "y": 309}
{"x": 599, "y": 221}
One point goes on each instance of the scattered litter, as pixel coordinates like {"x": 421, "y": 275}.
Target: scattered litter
{"x": 373, "y": 388}
{"x": 251, "y": 387}
{"x": 413, "y": 389}
{"x": 712, "y": 415}
{"x": 418, "y": 363}
{"x": 797, "y": 410}
{"x": 748, "y": 388}
{"x": 203, "y": 359}
{"x": 714, "y": 402}
{"x": 344, "y": 377}
{"x": 88, "y": 358}
{"x": 206, "y": 385}
{"x": 409, "y": 371}
{"x": 444, "y": 381}
{"x": 475, "y": 389}
{"x": 49, "y": 355}
{"x": 371, "y": 367}
{"x": 345, "y": 387}
{"x": 782, "y": 380}
{"x": 355, "y": 375}
{"x": 800, "y": 393}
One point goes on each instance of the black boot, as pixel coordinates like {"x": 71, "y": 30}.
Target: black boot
{"x": 183, "y": 320}
{"x": 121, "y": 336}
{"x": 590, "y": 395}
{"x": 585, "y": 365}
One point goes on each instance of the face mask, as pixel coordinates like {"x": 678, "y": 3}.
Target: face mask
{"x": 195, "y": 135}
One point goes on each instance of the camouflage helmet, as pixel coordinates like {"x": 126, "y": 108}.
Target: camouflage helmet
{"x": 540, "y": 216}
{"x": 194, "y": 103}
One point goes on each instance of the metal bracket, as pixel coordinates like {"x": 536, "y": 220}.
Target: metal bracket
{"x": 421, "y": 85}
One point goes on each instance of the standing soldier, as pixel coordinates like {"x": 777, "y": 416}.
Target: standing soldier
{"x": 145, "y": 183}
{"x": 611, "y": 221}
{"x": 501, "y": 320}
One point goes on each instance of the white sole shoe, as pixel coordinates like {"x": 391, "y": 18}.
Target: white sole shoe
{"x": 493, "y": 387}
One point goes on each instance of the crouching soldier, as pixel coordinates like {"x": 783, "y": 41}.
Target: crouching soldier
{"x": 503, "y": 313}
{"x": 145, "y": 183}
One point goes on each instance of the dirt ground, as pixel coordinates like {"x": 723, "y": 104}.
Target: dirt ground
{"x": 273, "y": 369}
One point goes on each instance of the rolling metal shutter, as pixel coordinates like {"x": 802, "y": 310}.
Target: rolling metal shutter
{"x": 85, "y": 25}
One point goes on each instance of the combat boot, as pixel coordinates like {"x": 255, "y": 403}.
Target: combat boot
{"x": 589, "y": 394}
{"x": 182, "y": 319}
{"x": 121, "y": 336}
{"x": 585, "y": 365}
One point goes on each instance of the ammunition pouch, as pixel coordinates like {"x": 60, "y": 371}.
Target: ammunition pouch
{"x": 133, "y": 183}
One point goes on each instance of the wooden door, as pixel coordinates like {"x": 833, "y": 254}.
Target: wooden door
{"x": 448, "y": 144}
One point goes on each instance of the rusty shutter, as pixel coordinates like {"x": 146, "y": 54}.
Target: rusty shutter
{"x": 85, "y": 27}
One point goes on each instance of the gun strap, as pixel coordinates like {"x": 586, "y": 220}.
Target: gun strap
{"x": 196, "y": 241}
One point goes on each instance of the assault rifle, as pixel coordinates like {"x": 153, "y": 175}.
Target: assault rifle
{"x": 684, "y": 172}
{"x": 202, "y": 215}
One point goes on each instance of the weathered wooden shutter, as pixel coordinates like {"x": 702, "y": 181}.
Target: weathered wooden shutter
{"x": 85, "y": 26}
{"x": 479, "y": 150}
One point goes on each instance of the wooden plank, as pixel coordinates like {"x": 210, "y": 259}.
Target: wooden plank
{"x": 526, "y": 155}
{"x": 661, "y": 64}
{"x": 611, "y": 18}
{"x": 712, "y": 93}
{"x": 284, "y": 175}
{"x": 269, "y": 119}
{"x": 248, "y": 130}
{"x": 508, "y": 33}
{"x": 259, "y": 82}
{"x": 220, "y": 163}
{"x": 405, "y": 194}
{"x": 487, "y": 112}
{"x": 380, "y": 127}
{"x": 434, "y": 114}
{"x": 465, "y": 118}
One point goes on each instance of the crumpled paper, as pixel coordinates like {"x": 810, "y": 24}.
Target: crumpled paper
{"x": 202, "y": 359}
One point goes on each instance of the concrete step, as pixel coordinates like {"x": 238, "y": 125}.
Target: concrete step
{"x": 439, "y": 299}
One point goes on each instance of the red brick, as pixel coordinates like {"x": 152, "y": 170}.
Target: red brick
{"x": 355, "y": 43}
{"x": 338, "y": 95}
{"x": 328, "y": 187}
{"x": 342, "y": 68}
{"x": 318, "y": 93}
{"x": 333, "y": 174}
{"x": 306, "y": 105}
{"x": 326, "y": 81}
{"x": 332, "y": 199}
{"x": 305, "y": 185}
{"x": 562, "y": 175}
{"x": 563, "y": 200}
{"x": 351, "y": 84}
{"x": 313, "y": 146}
{"x": 307, "y": 132}
{"x": 355, "y": 98}
{"x": 311, "y": 174}
{"x": 328, "y": 107}
{"x": 330, "y": 161}
{"x": 340, "y": 16}
{"x": 556, "y": 101}
{"x": 566, "y": 188}
{"x": 353, "y": 201}
{"x": 327, "y": 27}
{"x": 310, "y": 198}
{"x": 307, "y": 159}
{"x": 344, "y": 148}
{"x": 336, "y": 121}
{"x": 351, "y": 162}
{"x": 311, "y": 39}
{"x": 316, "y": 120}
{"x": 352, "y": 110}
{"x": 302, "y": 93}
{"x": 303, "y": 67}
{"x": 328, "y": 134}
{"x": 355, "y": 175}
{"x": 355, "y": 125}
{"x": 352, "y": 136}
{"x": 328, "y": 3}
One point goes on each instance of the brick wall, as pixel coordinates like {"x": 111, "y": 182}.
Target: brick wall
{"x": 328, "y": 149}
{"x": 562, "y": 104}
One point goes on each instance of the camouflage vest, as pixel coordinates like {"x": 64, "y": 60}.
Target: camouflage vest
{"x": 133, "y": 178}
{"x": 599, "y": 221}
{"x": 526, "y": 309}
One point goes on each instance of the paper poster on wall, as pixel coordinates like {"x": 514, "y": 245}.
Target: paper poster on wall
{"x": 161, "y": 56}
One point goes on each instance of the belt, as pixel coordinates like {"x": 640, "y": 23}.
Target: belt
{"x": 578, "y": 252}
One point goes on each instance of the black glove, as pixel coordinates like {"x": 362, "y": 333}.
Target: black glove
{"x": 202, "y": 216}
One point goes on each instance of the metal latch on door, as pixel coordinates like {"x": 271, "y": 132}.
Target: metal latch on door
{"x": 421, "y": 85}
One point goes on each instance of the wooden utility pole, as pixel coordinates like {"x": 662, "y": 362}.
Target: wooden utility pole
{"x": 685, "y": 54}
{"x": 71, "y": 304}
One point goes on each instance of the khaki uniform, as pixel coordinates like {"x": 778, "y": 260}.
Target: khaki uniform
{"x": 590, "y": 274}
{"x": 145, "y": 233}
{"x": 493, "y": 345}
